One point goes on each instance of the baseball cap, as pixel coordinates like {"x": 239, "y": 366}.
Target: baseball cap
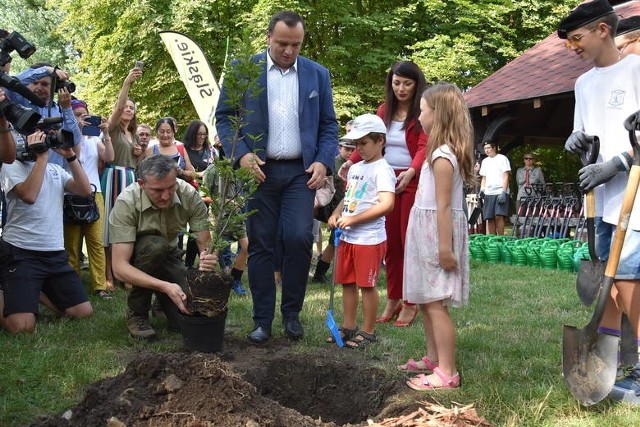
{"x": 365, "y": 124}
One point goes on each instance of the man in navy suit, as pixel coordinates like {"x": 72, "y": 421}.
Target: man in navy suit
{"x": 295, "y": 119}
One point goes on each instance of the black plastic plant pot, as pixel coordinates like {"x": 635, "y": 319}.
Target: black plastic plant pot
{"x": 201, "y": 333}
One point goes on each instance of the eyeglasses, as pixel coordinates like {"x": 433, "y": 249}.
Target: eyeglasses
{"x": 574, "y": 40}
{"x": 528, "y": 158}
{"x": 201, "y": 134}
{"x": 623, "y": 46}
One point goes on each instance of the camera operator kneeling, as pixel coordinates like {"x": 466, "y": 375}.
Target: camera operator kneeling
{"x": 32, "y": 255}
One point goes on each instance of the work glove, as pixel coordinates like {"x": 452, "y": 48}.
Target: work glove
{"x": 593, "y": 175}
{"x": 502, "y": 197}
{"x": 578, "y": 142}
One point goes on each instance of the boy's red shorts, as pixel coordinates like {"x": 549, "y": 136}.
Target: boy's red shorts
{"x": 359, "y": 264}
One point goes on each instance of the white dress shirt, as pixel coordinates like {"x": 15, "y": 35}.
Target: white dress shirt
{"x": 284, "y": 130}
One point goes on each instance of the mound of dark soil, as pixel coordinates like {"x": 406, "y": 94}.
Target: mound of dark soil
{"x": 246, "y": 386}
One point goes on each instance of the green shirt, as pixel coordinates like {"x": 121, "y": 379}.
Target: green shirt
{"x": 133, "y": 214}
{"x": 123, "y": 149}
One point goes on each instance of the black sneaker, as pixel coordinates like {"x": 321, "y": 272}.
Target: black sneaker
{"x": 139, "y": 326}
{"x": 321, "y": 279}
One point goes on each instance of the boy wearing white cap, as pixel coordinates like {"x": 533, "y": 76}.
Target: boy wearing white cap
{"x": 369, "y": 196}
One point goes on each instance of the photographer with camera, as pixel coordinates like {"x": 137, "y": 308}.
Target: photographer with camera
{"x": 32, "y": 255}
{"x": 39, "y": 80}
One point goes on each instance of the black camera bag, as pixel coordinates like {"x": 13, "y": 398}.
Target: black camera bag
{"x": 79, "y": 210}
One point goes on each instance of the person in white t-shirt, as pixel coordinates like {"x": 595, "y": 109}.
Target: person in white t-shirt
{"x": 606, "y": 96}
{"x": 32, "y": 255}
{"x": 369, "y": 196}
{"x": 494, "y": 188}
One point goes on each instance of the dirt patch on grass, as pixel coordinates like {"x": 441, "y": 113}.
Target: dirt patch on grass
{"x": 245, "y": 386}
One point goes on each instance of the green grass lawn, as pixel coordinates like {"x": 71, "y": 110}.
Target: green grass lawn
{"x": 509, "y": 351}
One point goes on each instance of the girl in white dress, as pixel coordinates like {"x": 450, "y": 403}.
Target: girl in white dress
{"x": 436, "y": 270}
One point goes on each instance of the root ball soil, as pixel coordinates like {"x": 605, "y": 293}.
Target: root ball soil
{"x": 207, "y": 292}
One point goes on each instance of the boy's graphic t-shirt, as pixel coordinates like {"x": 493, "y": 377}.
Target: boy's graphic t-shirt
{"x": 364, "y": 182}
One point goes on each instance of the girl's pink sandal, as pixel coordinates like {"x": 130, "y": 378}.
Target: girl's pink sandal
{"x": 421, "y": 382}
{"x": 412, "y": 366}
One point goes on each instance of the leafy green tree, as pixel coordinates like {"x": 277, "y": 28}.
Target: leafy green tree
{"x": 111, "y": 35}
{"x": 37, "y": 22}
{"x": 462, "y": 41}
{"x": 465, "y": 41}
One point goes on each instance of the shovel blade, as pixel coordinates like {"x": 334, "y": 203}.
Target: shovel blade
{"x": 333, "y": 328}
{"x": 589, "y": 364}
{"x": 590, "y": 281}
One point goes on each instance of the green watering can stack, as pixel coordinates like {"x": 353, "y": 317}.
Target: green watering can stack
{"x": 581, "y": 253}
{"x": 518, "y": 250}
{"x": 476, "y": 246}
{"x": 493, "y": 249}
{"x": 533, "y": 251}
{"x": 566, "y": 252}
{"x": 563, "y": 254}
{"x": 547, "y": 254}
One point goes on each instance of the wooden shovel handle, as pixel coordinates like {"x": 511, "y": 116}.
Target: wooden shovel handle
{"x": 632, "y": 124}
{"x": 623, "y": 222}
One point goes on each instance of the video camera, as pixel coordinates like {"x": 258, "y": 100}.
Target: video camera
{"x": 56, "y": 137}
{"x": 23, "y": 119}
{"x": 15, "y": 41}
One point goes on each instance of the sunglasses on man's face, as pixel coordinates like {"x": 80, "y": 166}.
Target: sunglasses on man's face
{"x": 574, "y": 40}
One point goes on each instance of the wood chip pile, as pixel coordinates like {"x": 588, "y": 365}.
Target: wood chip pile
{"x": 433, "y": 415}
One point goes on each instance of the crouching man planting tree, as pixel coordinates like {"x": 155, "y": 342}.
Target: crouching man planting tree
{"x": 143, "y": 231}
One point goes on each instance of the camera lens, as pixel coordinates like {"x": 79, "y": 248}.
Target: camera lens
{"x": 60, "y": 138}
{"x": 23, "y": 119}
